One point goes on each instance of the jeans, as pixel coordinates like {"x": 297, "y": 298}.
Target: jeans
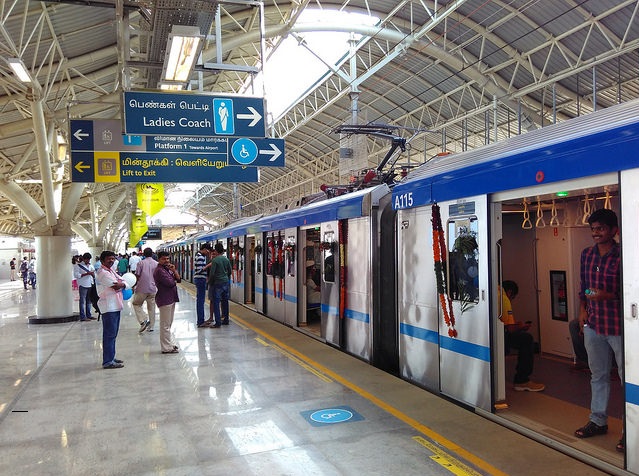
{"x": 85, "y": 303}
{"x": 577, "y": 341}
{"x": 600, "y": 349}
{"x": 220, "y": 298}
{"x": 522, "y": 341}
{"x": 110, "y": 327}
{"x": 200, "y": 287}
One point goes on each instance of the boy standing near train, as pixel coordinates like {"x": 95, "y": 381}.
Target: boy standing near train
{"x": 600, "y": 316}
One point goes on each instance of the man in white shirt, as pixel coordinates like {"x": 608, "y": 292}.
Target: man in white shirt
{"x": 133, "y": 261}
{"x": 84, "y": 273}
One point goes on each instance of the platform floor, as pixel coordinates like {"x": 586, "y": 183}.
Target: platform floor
{"x": 235, "y": 401}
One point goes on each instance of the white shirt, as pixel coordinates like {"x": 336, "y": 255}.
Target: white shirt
{"x": 84, "y": 281}
{"x": 133, "y": 262}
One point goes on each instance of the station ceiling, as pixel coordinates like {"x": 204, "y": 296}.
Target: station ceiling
{"x": 446, "y": 76}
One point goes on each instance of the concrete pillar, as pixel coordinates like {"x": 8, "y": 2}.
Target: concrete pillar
{"x": 54, "y": 271}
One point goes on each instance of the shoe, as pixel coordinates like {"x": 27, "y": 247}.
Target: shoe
{"x": 114, "y": 365}
{"x": 225, "y": 322}
{"x": 149, "y": 330}
{"x": 591, "y": 429}
{"x": 204, "y": 324}
{"x": 118, "y": 361}
{"x": 143, "y": 326}
{"x": 621, "y": 446}
{"x": 529, "y": 386}
{"x": 173, "y": 351}
{"x": 215, "y": 326}
{"x": 208, "y": 321}
{"x": 91, "y": 318}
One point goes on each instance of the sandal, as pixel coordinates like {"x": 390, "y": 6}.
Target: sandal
{"x": 172, "y": 351}
{"x": 591, "y": 429}
{"x": 621, "y": 446}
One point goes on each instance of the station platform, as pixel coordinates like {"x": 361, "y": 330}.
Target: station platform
{"x": 251, "y": 398}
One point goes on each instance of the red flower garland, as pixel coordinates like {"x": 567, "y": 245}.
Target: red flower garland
{"x": 439, "y": 255}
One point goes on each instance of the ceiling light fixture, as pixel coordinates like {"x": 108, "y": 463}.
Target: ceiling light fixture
{"x": 181, "y": 53}
{"x": 17, "y": 66}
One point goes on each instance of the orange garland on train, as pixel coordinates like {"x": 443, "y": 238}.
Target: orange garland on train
{"x": 439, "y": 255}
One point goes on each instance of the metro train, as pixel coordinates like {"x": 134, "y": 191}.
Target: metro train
{"x": 379, "y": 257}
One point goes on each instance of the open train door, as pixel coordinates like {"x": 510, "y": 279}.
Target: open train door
{"x": 630, "y": 260}
{"x": 465, "y": 358}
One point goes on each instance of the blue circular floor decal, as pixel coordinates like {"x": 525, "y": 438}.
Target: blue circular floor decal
{"x": 331, "y": 415}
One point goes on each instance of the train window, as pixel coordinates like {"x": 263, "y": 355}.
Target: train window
{"x": 328, "y": 250}
{"x": 463, "y": 260}
{"x": 290, "y": 255}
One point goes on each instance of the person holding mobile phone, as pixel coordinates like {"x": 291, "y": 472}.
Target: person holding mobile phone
{"x": 516, "y": 336}
{"x": 166, "y": 278}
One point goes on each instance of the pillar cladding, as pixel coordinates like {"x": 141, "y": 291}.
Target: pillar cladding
{"x": 54, "y": 274}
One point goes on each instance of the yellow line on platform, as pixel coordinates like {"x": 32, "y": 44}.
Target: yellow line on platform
{"x": 423, "y": 429}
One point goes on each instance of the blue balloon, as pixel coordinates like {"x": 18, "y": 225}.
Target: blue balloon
{"x": 127, "y": 293}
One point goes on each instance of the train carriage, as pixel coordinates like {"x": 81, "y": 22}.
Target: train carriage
{"x": 514, "y": 210}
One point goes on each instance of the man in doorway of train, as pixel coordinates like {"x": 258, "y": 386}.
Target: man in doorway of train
{"x": 219, "y": 289}
{"x": 200, "y": 277}
{"x": 600, "y": 316}
{"x": 516, "y": 336}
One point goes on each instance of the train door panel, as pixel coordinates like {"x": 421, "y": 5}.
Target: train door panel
{"x": 465, "y": 225}
{"x": 630, "y": 311}
{"x": 357, "y": 314}
{"x": 236, "y": 256}
{"x": 330, "y": 321}
{"x": 260, "y": 272}
{"x": 275, "y": 272}
{"x": 290, "y": 276}
{"x": 249, "y": 269}
{"x": 417, "y": 305}
{"x": 310, "y": 282}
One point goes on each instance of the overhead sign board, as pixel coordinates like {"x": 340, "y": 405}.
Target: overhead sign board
{"x": 106, "y": 135}
{"x": 187, "y": 114}
{"x": 103, "y": 166}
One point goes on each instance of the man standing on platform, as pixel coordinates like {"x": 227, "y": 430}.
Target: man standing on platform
{"x": 133, "y": 262}
{"x": 145, "y": 290}
{"x": 24, "y": 271}
{"x": 166, "y": 278}
{"x": 110, "y": 287}
{"x": 200, "y": 278}
{"x": 219, "y": 289}
{"x": 84, "y": 274}
{"x": 12, "y": 265}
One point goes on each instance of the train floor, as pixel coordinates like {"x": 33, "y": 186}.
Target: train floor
{"x": 251, "y": 398}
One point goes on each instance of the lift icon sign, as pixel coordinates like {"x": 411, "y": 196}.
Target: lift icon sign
{"x": 331, "y": 416}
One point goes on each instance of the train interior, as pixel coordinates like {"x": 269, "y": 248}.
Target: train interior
{"x": 542, "y": 239}
{"x": 310, "y": 319}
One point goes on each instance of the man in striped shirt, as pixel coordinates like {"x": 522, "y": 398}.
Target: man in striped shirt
{"x": 600, "y": 316}
{"x": 200, "y": 274}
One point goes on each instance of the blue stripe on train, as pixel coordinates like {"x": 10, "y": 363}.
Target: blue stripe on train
{"x": 458, "y": 346}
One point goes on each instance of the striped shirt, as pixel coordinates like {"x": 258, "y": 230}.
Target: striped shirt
{"x": 602, "y": 272}
{"x": 198, "y": 266}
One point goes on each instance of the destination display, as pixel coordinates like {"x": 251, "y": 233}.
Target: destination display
{"x": 187, "y": 114}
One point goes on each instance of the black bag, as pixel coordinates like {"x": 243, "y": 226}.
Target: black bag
{"x": 94, "y": 297}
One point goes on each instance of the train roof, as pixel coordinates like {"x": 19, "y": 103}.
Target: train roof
{"x": 350, "y": 205}
{"x": 571, "y": 149}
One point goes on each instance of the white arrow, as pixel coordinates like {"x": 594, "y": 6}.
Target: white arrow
{"x": 275, "y": 152}
{"x": 256, "y": 116}
{"x": 79, "y": 134}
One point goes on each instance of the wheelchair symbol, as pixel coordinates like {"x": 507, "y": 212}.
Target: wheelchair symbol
{"x": 244, "y": 151}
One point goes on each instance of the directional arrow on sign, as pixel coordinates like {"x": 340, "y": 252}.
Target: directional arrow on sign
{"x": 254, "y": 115}
{"x": 275, "y": 152}
{"x": 79, "y": 134}
{"x": 80, "y": 166}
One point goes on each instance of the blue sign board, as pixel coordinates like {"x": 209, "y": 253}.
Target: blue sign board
{"x": 257, "y": 152}
{"x": 102, "y": 166}
{"x": 187, "y": 114}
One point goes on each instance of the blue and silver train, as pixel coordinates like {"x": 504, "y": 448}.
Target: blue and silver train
{"x": 378, "y": 257}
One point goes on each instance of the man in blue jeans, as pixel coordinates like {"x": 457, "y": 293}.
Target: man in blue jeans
{"x": 200, "y": 275}
{"x": 219, "y": 290}
{"x": 84, "y": 274}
